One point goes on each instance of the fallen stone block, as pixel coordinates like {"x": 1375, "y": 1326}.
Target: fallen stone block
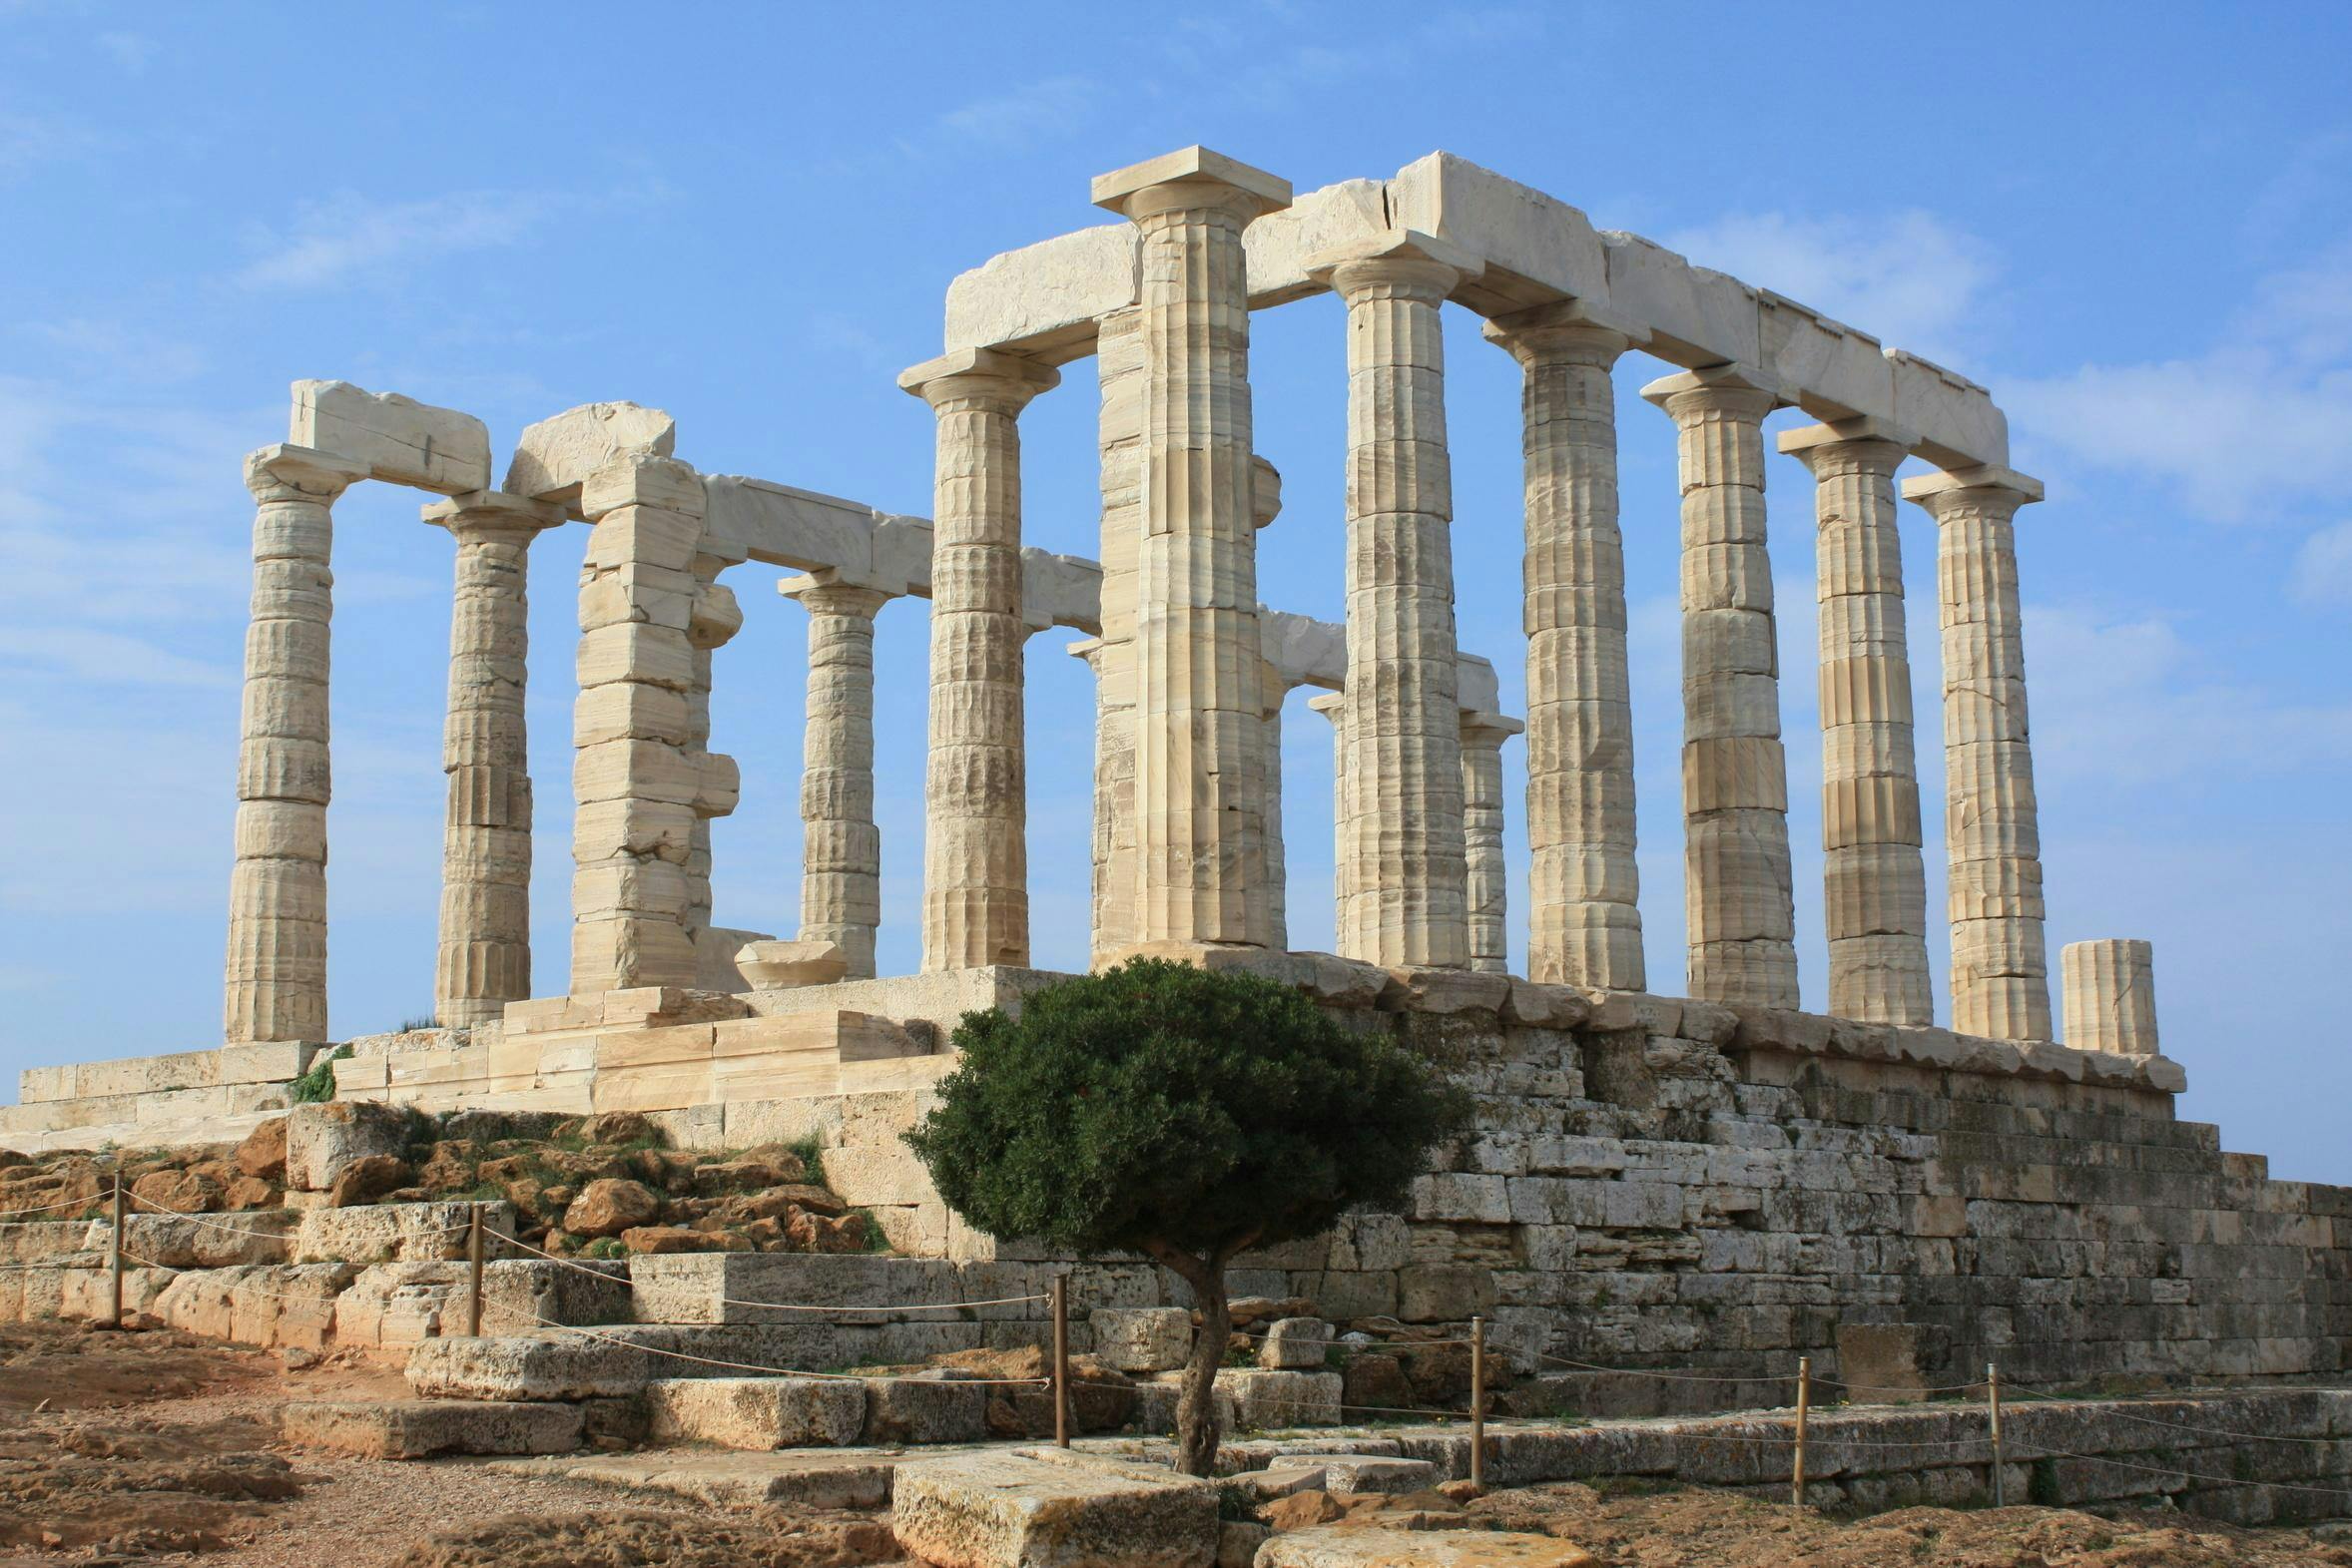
{"x": 1015, "y": 1510}
{"x": 419, "y": 1428}
{"x": 1365, "y": 1472}
{"x": 925, "y": 1408}
{"x": 1354, "y": 1546}
{"x": 1270, "y": 1399}
{"x": 397, "y": 1233}
{"x": 1295, "y": 1344}
{"x": 758, "y": 1412}
{"x": 526, "y": 1368}
{"x": 323, "y": 1139}
{"x": 1142, "y": 1339}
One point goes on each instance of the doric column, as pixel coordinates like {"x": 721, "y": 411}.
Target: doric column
{"x": 1875, "y": 879}
{"x": 1403, "y": 723}
{"x": 2000, "y": 968}
{"x": 1735, "y": 796}
{"x": 641, "y": 779}
{"x": 1583, "y": 909}
{"x": 1483, "y": 736}
{"x": 2109, "y": 991}
{"x": 1118, "y": 362}
{"x": 274, "y": 980}
{"x": 841, "y": 855}
{"x": 975, "y": 872}
{"x": 1199, "y": 722}
{"x": 484, "y": 957}
{"x": 1332, "y": 706}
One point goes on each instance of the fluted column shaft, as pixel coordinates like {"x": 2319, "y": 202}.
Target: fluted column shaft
{"x": 716, "y": 620}
{"x": 1584, "y": 905}
{"x": 1199, "y": 793}
{"x": 1118, "y": 359}
{"x": 2109, "y": 996}
{"x": 1275, "y": 890}
{"x": 274, "y": 979}
{"x": 1875, "y": 877}
{"x": 840, "y": 856}
{"x": 1999, "y": 966}
{"x": 975, "y": 894}
{"x": 1483, "y": 736}
{"x": 1332, "y": 706}
{"x": 1736, "y": 880}
{"x": 1402, "y": 719}
{"x": 483, "y": 960}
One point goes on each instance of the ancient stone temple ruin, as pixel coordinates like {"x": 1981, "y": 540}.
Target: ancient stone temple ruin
{"x": 1715, "y": 1181}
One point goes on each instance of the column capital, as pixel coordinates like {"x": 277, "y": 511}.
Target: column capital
{"x": 1864, "y": 439}
{"x": 1720, "y": 388}
{"x": 1986, "y": 484}
{"x": 1190, "y": 177}
{"x": 284, "y": 472}
{"x": 492, "y": 511}
{"x": 1575, "y": 330}
{"x": 1328, "y": 704}
{"x": 828, "y": 592}
{"x": 985, "y": 375}
{"x": 1402, "y": 259}
{"x": 1486, "y": 729}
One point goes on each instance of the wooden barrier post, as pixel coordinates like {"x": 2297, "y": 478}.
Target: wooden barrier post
{"x": 115, "y": 1256}
{"x": 1992, "y": 1398}
{"x": 1478, "y": 1476}
{"x": 1062, "y": 1360}
{"x": 473, "y": 1273}
{"x": 1804, "y": 1405}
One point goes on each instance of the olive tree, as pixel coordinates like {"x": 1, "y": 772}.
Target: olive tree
{"x": 1184, "y": 1114}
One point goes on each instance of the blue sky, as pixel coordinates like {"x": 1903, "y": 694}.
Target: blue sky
{"x": 2134, "y": 224}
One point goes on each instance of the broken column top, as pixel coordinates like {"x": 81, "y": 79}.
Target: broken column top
{"x": 554, "y": 458}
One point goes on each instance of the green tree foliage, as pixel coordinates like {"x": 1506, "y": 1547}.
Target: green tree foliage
{"x": 1184, "y": 1114}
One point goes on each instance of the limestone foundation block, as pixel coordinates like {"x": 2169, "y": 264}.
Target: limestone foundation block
{"x": 1019, "y": 1510}
{"x": 1360, "y": 1546}
{"x": 2110, "y": 993}
{"x": 758, "y": 1412}
{"x": 395, "y": 439}
{"x": 779, "y": 966}
{"x": 421, "y": 1429}
{"x": 1142, "y": 1339}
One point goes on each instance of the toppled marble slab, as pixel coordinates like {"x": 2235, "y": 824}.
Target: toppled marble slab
{"x": 421, "y": 1428}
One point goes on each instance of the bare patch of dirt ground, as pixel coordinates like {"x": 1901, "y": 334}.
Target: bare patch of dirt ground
{"x": 119, "y": 1448}
{"x": 1702, "y": 1529}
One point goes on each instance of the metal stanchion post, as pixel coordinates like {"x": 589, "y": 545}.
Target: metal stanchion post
{"x": 1477, "y": 1465}
{"x": 1992, "y": 1398}
{"x": 473, "y": 1273}
{"x": 1062, "y": 1360}
{"x": 1804, "y": 1405}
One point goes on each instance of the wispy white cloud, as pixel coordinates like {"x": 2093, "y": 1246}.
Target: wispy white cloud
{"x": 2323, "y": 568}
{"x": 1038, "y": 110}
{"x": 2233, "y": 427}
{"x": 88, "y": 654}
{"x": 27, "y": 142}
{"x": 118, "y": 348}
{"x": 351, "y": 236}
{"x": 1909, "y": 278}
{"x": 131, "y": 51}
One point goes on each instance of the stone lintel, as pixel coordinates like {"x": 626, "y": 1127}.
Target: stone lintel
{"x": 918, "y": 379}
{"x": 1396, "y": 245}
{"x": 1718, "y": 378}
{"x": 1983, "y": 476}
{"x": 1219, "y": 180}
{"x": 1862, "y": 427}
{"x": 493, "y": 509}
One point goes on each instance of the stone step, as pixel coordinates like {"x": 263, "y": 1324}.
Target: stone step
{"x": 623, "y": 1359}
{"x": 1359, "y": 1546}
{"x": 1009, "y": 1508}
{"x": 756, "y": 1412}
{"x": 421, "y": 1428}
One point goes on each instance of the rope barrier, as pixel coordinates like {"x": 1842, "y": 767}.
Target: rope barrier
{"x": 786, "y": 1372}
{"x": 795, "y": 1307}
{"x": 61, "y": 1203}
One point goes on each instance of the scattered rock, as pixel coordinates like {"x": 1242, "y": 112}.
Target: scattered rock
{"x": 608, "y": 1207}
{"x": 367, "y": 1179}
{"x": 1295, "y": 1344}
{"x": 263, "y": 1154}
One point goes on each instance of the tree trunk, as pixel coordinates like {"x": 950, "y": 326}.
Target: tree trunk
{"x": 1196, "y": 1397}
